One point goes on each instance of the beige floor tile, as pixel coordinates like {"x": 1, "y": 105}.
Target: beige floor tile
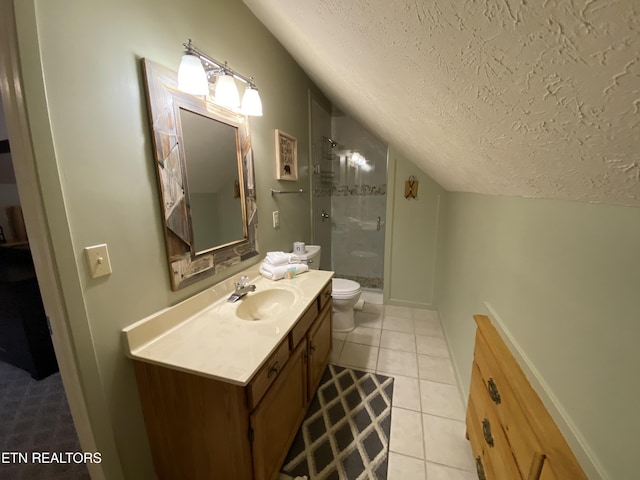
{"x": 445, "y": 442}
{"x": 406, "y": 433}
{"x": 398, "y": 341}
{"x": 342, "y": 336}
{"x": 442, "y": 472}
{"x": 402, "y": 467}
{"x": 365, "y": 336}
{"x": 420, "y": 314}
{"x": 358, "y": 356}
{"x": 406, "y": 393}
{"x": 373, "y": 308}
{"x": 337, "y": 350}
{"x": 441, "y": 399}
{"x": 397, "y": 362}
{"x": 438, "y": 369}
{"x": 434, "y": 346}
{"x": 398, "y": 324}
{"x": 368, "y": 319}
{"x": 394, "y": 311}
{"x": 428, "y": 326}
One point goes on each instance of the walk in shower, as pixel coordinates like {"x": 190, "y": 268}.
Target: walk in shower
{"x": 349, "y": 184}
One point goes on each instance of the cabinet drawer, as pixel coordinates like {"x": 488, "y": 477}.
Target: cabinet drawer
{"x": 267, "y": 374}
{"x": 325, "y": 295}
{"x": 493, "y": 438}
{"x": 300, "y": 329}
{"x": 478, "y": 446}
{"x": 524, "y": 443}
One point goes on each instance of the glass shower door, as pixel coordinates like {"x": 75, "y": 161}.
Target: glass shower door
{"x": 358, "y": 203}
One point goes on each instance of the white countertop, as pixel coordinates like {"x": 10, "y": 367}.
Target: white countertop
{"x": 203, "y": 335}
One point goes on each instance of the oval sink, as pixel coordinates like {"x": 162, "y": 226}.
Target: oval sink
{"x": 265, "y": 304}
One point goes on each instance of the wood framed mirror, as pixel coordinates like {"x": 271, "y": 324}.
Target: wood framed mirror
{"x": 204, "y": 167}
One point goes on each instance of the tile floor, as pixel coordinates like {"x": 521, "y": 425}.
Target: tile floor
{"x": 427, "y": 421}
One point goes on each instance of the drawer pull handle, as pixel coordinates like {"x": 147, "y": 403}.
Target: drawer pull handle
{"x": 486, "y": 432}
{"x": 275, "y": 370}
{"x": 493, "y": 392}
{"x": 480, "y": 469}
{"x": 327, "y": 294}
{"x": 312, "y": 348}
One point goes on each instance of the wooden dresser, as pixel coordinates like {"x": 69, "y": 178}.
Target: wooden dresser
{"x": 512, "y": 435}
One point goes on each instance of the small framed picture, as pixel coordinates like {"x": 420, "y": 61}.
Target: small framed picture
{"x": 286, "y": 156}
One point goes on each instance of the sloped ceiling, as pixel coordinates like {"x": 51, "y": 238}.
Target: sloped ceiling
{"x": 506, "y": 97}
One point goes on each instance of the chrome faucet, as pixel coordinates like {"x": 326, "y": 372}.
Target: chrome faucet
{"x": 241, "y": 289}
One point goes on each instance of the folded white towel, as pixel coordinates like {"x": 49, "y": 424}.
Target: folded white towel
{"x": 280, "y": 258}
{"x": 280, "y": 271}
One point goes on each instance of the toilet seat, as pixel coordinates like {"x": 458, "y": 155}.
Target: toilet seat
{"x": 343, "y": 288}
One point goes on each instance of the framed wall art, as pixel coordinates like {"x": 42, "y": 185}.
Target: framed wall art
{"x": 286, "y": 156}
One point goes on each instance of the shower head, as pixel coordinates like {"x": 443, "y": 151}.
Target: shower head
{"x": 331, "y": 142}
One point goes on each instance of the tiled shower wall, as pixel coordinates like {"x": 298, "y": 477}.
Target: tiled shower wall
{"x": 358, "y": 199}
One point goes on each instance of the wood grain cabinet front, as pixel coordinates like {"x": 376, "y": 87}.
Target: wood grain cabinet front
{"x": 319, "y": 347}
{"x": 262, "y": 380}
{"x": 275, "y": 421}
{"x": 512, "y": 434}
{"x": 202, "y": 428}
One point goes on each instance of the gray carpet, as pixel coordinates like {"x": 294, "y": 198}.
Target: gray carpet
{"x": 345, "y": 433}
{"x": 35, "y": 417}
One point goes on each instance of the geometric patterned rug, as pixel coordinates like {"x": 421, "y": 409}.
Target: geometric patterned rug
{"x": 35, "y": 417}
{"x": 345, "y": 433}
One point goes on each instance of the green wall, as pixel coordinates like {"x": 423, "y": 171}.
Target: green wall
{"x": 87, "y": 110}
{"x": 563, "y": 278}
{"x": 413, "y": 240}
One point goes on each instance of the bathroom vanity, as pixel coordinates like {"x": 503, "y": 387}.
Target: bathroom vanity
{"x": 225, "y": 386}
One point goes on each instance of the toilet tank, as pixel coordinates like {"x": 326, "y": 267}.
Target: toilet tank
{"x": 311, "y": 256}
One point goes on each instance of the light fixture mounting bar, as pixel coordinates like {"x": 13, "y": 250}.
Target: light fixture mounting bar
{"x": 191, "y": 49}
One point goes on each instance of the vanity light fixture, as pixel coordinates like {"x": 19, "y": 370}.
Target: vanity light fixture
{"x": 226, "y": 91}
{"x": 191, "y": 76}
{"x": 251, "y": 103}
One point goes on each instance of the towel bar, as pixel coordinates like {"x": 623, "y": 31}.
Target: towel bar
{"x": 274, "y": 192}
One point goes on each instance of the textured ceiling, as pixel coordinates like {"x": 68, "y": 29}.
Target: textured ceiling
{"x": 507, "y": 97}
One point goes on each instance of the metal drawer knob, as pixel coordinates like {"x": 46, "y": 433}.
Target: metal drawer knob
{"x": 486, "y": 432}
{"x": 480, "y": 469}
{"x": 493, "y": 391}
{"x": 274, "y": 370}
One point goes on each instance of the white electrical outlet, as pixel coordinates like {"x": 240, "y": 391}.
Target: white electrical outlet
{"x": 98, "y": 260}
{"x": 276, "y": 219}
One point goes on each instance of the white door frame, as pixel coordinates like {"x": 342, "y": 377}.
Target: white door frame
{"x": 31, "y": 200}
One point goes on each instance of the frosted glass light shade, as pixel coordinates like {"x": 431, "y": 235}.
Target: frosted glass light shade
{"x": 227, "y": 92}
{"x": 192, "y": 77}
{"x": 251, "y": 102}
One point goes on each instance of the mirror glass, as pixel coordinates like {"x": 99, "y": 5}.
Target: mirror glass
{"x": 213, "y": 176}
{"x": 204, "y": 166}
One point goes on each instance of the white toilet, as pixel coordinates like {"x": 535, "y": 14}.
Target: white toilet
{"x": 345, "y": 293}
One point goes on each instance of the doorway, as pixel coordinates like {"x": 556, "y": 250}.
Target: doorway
{"x": 33, "y": 403}
{"x": 14, "y": 115}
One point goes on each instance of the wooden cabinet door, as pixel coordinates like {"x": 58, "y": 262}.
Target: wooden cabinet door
{"x": 276, "y": 419}
{"x": 319, "y": 339}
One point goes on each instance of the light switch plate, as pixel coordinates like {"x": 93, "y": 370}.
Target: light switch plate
{"x": 276, "y": 219}
{"x": 98, "y": 260}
